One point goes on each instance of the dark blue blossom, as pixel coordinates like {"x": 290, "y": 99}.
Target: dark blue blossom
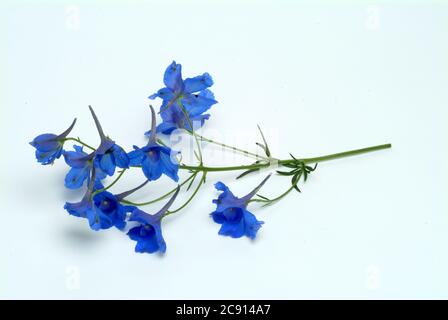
{"x": 190, "y": 94}
{"x": 106, "y": 158}
{"x": 49, "y": 146}
{"x": 232, "y": 214}
{"x": 155, "y": 159}
{"x": 81, "y": 165}
{"x": 102, "y": 209}
{"x": 149, "y": 233}
{"x": 109, "y": 155}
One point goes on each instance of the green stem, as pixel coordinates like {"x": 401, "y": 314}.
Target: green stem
{"x": 198, "y": 144}
{"x": 159, "y": 198}
{"x": 79, "y": 141}
{"x": 113, "y": 182}
{"x": 281, "y": 162}
{"x": 269, "y": 201}
{"x": 244, "y": 152}
{"x": 346, "y": 154}
{"x": 201, "y": 182}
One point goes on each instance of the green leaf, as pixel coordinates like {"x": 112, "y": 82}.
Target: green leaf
{"x": 191, "y": 182}
{"x": 305, "y": 175}
{"x": 266, "y": 148}
{"x": 246, "y": 173}
{"x": 262, "y": 146}
{"x": 296, "y": 178}
{"x": 263, "y": 197}
{"x": 284, "y": 173}
{"x": 197, "y": 156}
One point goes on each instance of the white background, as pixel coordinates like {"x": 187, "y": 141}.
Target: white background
{"x": 319, "y": 78}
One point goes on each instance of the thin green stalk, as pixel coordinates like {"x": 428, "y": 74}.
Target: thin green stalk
{"x": 269, "y": 201}
{"x": 288, "y": 161}
{"x": 198, "y": 144}
{"x": 201, "y": 182}
{"x": 80, "y": 142}
{"x": 159, "y": 198}
{"x": 346, "y": 154}
{"x": 113, "y": 182}
{"x": 244, "y": 152}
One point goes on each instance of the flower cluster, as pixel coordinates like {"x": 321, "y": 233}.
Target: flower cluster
{"x": 184, "y": 103}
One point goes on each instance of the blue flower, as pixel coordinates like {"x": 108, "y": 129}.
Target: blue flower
{"x": 149, "y": 233}
{"x": 155, "y": 159}
{"x": 49, "y": 146}
{"x": 81, "y": 165}
{"x": 105, "y": 159}
{"x": 109, "y": 155}
{"x": 103, "y": 210}
{"x": 190, "y": 94}
{"x": 232, "y": 214}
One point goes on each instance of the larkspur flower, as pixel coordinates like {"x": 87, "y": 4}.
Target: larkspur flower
{"x": 80, "y": 164}
{"x": 49, "y": 146}
{"x": 190, "y": 94}
{"x": 105, "y": 159}
{"x": 109, "y": 155}
{"x": 155, "y": 159}
{"x": 149, "y": 233}
{"x": 84, "y": 208}
{"x": 232, "y": 214}
{"x": 103, "y": 210}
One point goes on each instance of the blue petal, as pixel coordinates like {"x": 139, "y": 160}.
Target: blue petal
{"x": 148, "y": 245}
{"x": 107, "y": 164}
{"x": 198, "y": 83}
{"x": 46, "y": 142}
{"x": 149, "y": 238}
{"x": 166, "y": 127}
{"x": 94, "y": 220}
{"x": 136, "y": 157}
{"x": 226, "y": 199}
{"x": 220, "y": 186}
{"x": 164, "y": 93}
{"x": 234, "y": 230}
{"x": 159, "y": 237}
{"x": 198, "y": 104}
{"x": 78, "y": 209}
{"x": 134, "y": 233}
{"x": 170, "y": 168}
{"x": 152, "y": 166}
{"x": 174, "y": 115}
{"x": 120, "y": 224}
{"x": 125, "y": 210}
{"x": 120, "y": 156}
{"x": 252, "y": 225}
{"x": 173, "y": 118}
{"x": 76, "y": 177}
{"x": 173, "y": 77}
{"x": 98, "y": 185}
{"x": 198, "y": 121}
{"x": 46, "y": 158}
{"x": 218, "y": 217}
{"x": 141, "y": 216}
{"x": 105, "y": 146}
{"x": 77, "y": 158}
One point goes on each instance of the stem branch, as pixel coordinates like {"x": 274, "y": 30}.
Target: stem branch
{"x": 80, "y": 142}
{"x": 281, "y": 162}
{"x": 201, "y": 182}
{"x": 113, "y": 182}
{"x": 159, "y": 198}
